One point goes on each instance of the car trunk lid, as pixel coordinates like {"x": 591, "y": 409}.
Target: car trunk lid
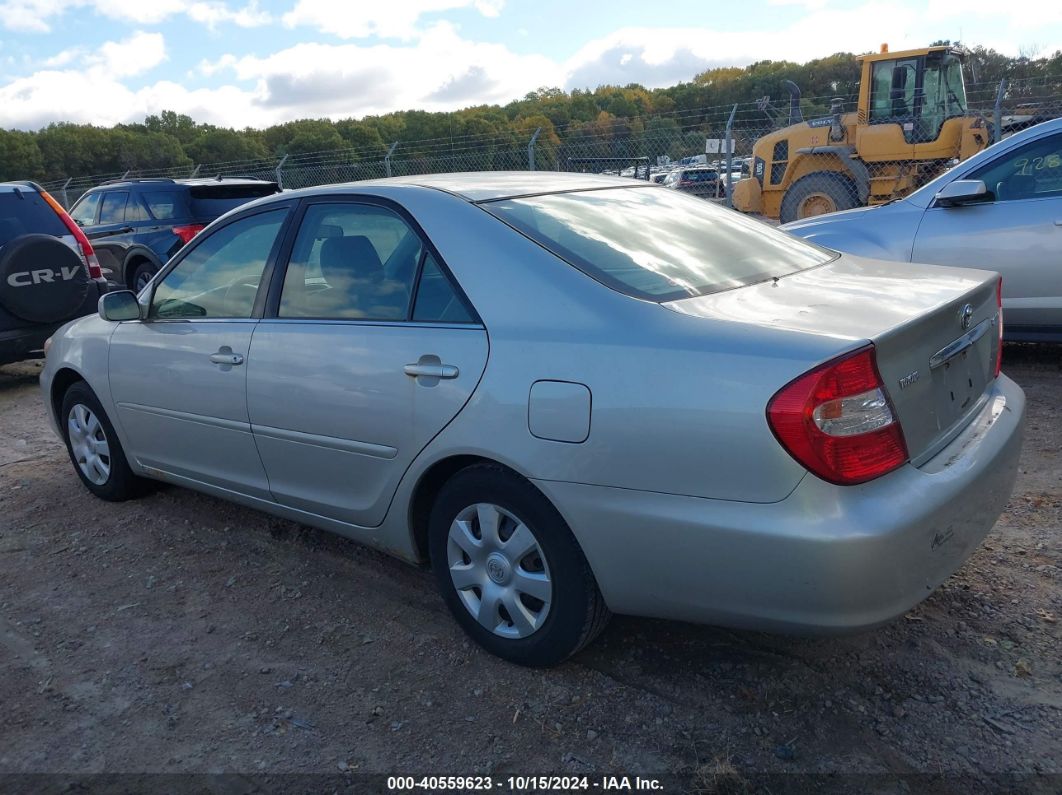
{"x": 935, "y": 331}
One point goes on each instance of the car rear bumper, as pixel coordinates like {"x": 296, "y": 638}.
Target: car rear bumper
{"x": 827, "y": 558}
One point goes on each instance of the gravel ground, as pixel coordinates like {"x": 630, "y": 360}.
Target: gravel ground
{"x": 182, "y": 634}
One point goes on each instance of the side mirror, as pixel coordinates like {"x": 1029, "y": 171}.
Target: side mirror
{"x": 963, "y": 191}
{"x": 118, "y": 306}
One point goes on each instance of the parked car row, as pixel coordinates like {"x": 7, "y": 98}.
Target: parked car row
{"x": 137, "y": 225}
{"x": 55, "y": 265}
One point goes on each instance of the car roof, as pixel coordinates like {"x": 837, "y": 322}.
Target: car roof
{"x": 482, "y": 186}
{"x": 19, "y": 185}
{"x": 164, "y": 182}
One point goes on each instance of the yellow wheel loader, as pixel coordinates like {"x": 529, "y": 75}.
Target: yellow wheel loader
{"x": 911, "y": 124}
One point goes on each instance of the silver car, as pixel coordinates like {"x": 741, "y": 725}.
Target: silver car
{"x": 1001, "y": 209}
{"x": 517, "y": 378}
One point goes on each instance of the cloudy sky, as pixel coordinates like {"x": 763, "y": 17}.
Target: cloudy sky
{"x": 257, "y": 62}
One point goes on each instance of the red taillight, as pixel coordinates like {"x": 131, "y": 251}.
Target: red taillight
{"x": 838, "y": 422}
{"x": 87, "y": 252}
{"x": 999, "y": 322}
{"x": 187, "y": 232}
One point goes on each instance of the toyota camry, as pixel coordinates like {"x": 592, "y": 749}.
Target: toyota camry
{"x": 570, "y": 395}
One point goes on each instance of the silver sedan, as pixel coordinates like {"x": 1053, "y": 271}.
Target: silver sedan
{"x": 1001, "y": 209}
{"x": 517, "y": 378}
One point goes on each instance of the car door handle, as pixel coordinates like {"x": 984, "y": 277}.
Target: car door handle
{"x": 431, "y": 370}
{"x": 227, "y": 357}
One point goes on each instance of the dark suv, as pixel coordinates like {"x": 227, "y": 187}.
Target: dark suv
{"x": 136, "y": 225}
{"x": 48, "y": 271}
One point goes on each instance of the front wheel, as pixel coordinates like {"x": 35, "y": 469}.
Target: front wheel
{"x": 818, "y": 194}
{"x": 510, "y": 570}
{"x": 94, "y": 448}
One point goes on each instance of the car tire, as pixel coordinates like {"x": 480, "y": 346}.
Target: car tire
{"x": 142, "y": 274}
{"x": 536, "y": 605}
{"x": 818, "y": 194}
{"x": 94, "y": 448}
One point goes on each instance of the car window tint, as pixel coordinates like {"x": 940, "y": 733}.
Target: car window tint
{"x": 437, "y": 301}
{"x": 220, "y": 276}
{"x": 1031, "y": 171}
{"x": 112, "y": 207}
{"x": 166, "y": 205}
{"x": 135, "y": 210}
{"x": 23, "y": 211}
{"x": 351, "y": 261}
{"x": 84, "y": 212}
{"x": 613, "y": 235}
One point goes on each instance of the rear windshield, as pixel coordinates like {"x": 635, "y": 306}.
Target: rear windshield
{"x": 657, "y": 244}
{"x": 24, "y": 212}
{"x": 212, "y": 201}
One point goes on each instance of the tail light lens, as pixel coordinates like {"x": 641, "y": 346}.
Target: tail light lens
{"x": 837, "y": 421}
{"x": 87, "y": 252}
{"x": 999, "y": 322}
{"x": 187, "y": 232}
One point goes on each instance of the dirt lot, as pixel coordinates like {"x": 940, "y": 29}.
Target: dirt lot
{"x": 182, "y": 634}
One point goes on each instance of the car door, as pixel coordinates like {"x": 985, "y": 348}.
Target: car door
{"x": 367, "y": 350}
{"x": 1018, "y": 233}
{"x": 110, "y": 235}
{"x": 178, "y": 377}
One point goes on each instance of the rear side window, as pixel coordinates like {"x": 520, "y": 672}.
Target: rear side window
{"x": 135, "y": 210}
{"x": 112, "y": 207}
{"x": 615, "y": 236}
{"x": 212, "y": 201}
{"x": 167, "y": 205}
{"x": 24, "y": 212}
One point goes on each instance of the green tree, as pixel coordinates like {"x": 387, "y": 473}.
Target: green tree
{"x": 20, "y": 157}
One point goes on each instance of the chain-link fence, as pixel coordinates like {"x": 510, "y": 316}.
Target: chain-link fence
{"x": 849, "y": 154}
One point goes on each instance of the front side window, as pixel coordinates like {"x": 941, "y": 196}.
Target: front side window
{"x": 352, "y": 262}
{"x": 1032, "y": 171}
{"x": 614, "y": 236}
{"x": 220, "y": 277}
{"x": 112, "y": 207}
{"x": 84, "y": 212}
{"x": 892, "y": 94}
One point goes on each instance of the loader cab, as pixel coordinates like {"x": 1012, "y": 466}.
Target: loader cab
{"x": 916, "y": 89}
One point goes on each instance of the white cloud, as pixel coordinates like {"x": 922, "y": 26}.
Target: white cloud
{"x": 442, "y": 71}
{"x": 430, "y": 66}
{"x": 35, "y": 16}
{"x": 388, "y": 19}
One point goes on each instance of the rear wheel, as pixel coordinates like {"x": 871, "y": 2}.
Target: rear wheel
{"x": 510, "y": 570}
{"x": 818, "y": 194}
{"x": 94, "y": 448}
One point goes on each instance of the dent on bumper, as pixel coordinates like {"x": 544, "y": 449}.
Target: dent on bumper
{"x": 827, "y": 558}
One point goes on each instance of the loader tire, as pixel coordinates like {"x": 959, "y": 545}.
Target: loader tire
{"x": 818, "y": 194}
